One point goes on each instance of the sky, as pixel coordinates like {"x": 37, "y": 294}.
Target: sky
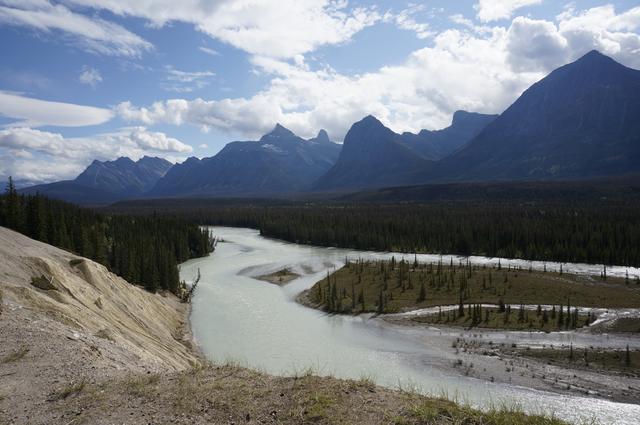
{"x": 99, "y": 79}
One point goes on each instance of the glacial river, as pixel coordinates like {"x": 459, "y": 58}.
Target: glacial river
{"x": 238, "y": 318}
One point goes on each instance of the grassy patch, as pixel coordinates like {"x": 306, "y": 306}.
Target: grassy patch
{"x": 318, "y": 407}
{"x": 142, "y": 385}
{"x": 219, "y": 394}
{"x": 509, "y": 319}
{"x": 625, "y": 324}
{"x": 280, "y": 277}
{"x": 443, "y": 411}
{"x": 15, "y": 355}
{"x": 364, "y": 286}
{"x": 71, "y": 389}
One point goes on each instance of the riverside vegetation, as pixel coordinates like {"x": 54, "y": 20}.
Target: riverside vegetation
{"x": 395, "y": 286}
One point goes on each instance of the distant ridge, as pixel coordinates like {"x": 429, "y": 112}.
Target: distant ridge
{"x": 375, "y": 156}
{"x": 581, "y": 121}
{"x": 104, "y": 182}
{"x": 279, "y": 162}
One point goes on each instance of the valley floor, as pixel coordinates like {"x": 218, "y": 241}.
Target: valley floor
{"x": 80, "y": 345}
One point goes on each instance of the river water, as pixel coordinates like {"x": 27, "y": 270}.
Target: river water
{"x": 238, "y": 318}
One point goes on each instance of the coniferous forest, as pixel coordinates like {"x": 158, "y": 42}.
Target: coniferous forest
{"x": 144, "y": 250}
{"x": 593, "y": 231}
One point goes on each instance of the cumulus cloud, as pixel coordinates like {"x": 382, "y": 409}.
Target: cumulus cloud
{"x": 261, "y": 27}
{"x": 35, "y": 112}
{"x": 90, "y": 76}
{"x": 460, "y": 71}
{"x": 544, "y": 45}
{"x": 493, "y": 10}
{"x": 93, "y": 34}
{"x": 34, "y": 156}
{"x": 535, "y": 44}
{"x": 475, "y": 69}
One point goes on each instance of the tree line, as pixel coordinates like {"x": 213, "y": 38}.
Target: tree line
{"x": 144, "y": 250}
{"x": 588, "y": 232}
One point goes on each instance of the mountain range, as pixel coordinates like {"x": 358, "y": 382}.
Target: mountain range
{"x": 375, "y": 156}
{"x": 108, "y": 181}
{"x": 279, "y": 162}
{"x": 581, "y": 121}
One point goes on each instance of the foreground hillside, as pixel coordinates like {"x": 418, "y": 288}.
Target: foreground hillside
{"x": 81, "y": 345}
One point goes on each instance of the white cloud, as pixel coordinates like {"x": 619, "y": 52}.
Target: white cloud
{"x": 90, "y": 76}
{"x": 184, "y": 81}
{"x": 93, "y": 34}
{"x": 405, "y": 20}
{"x": 282, "y": 29}
{"x": 474, "y": 70}
{"x": 34, "y": 156}
{"x": 150, "y": 140}
{"x": 535, "y": 44}
{"x": 460, "y": 71}
{"x": 203, "y": 146}
{"x": 544, "y": 45}
{"x": 35, "y": 112}
{"x": 209, "y": 51}
{"x": 493, "y": 10}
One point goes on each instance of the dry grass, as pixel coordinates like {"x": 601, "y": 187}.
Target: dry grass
{"x": 442, "y": 411}
{"x": 228, "y": 394}
{"x": 142, "y": 385}
{"x": 73, "y": 388}
{"x": 16, "y": 355}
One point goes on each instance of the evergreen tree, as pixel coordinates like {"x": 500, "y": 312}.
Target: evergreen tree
{"x": 381, "y": 302}
{"x": 422, "y": 295}
{"x": 14, "y": 213}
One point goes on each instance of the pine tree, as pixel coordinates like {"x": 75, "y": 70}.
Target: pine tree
{"x": 422, "y": 295}
{"x": 560, "y": 318}
{"x": 353, "y": 297}
{"x": 571, "y": 352}
{"x": 13, "y": 214}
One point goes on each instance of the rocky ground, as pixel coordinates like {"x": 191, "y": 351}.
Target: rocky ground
{"x": 501, "y": 356}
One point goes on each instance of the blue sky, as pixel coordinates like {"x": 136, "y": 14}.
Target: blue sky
{"x": 87, "y": 79}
